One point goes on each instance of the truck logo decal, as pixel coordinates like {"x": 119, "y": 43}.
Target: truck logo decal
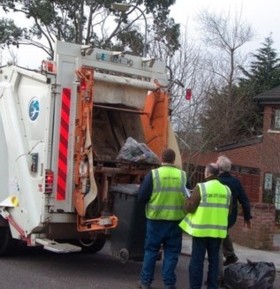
{"x": 34, "y": 109}
{"x": 63, "y": 144}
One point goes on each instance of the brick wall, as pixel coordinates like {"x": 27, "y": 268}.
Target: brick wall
{"x": 271, "y": 141}
{"x": 260, "y": 236}
{"x": 264, "y": 156}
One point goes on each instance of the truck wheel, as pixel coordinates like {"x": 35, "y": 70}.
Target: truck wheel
{"x": 124, "y": 255}
{"x": 93, "y": 246}
{"x": 5, "y": 241}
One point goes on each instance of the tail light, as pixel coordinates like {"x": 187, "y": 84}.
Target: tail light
{"x": 49, "y": 179}
{"x": 83, "y": 84}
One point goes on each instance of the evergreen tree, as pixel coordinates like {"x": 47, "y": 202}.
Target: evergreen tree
{"x": 264, "y": 72}
{"x": 225, "y": 122}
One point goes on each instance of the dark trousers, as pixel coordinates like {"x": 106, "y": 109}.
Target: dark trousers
{"x": 168, "y": 235}
{"x": 201, "y": 245}
{"x": 228, "y": 249}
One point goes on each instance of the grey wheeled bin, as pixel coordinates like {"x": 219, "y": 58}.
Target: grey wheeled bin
{"x": 127, "y": 240}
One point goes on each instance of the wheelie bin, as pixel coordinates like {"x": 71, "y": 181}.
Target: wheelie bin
{"x": 127, "y": 240}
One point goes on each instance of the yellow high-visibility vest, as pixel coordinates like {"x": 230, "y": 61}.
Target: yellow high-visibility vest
{"x": 168, "y": 196}
{"x": 211, "y": 216}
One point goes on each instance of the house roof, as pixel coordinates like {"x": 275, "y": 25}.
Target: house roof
{"x": 241, "y": 143}
{"x": 271, "y": 96}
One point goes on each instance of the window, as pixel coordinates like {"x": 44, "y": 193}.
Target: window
{"x": 245, "y": 170}
{"x": 268, "y": 196}
{"x": 196, "y": 174}
{"x": 275, "y": 119}
{"x": 271, "y": 193}
{"x": 277, "y": 194}
{"x": 268, "y": 182}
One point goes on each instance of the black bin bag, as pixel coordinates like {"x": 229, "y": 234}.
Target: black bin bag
{"x": 250, "y": 275}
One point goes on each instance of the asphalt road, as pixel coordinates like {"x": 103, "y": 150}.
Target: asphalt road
{"x": 38, "y": 269}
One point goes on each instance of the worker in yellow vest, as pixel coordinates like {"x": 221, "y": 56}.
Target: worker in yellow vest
{"x": 164, "y": 192}
{"x": 206, "y": 221}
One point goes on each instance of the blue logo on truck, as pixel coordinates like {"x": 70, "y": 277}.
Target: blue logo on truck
{"x": 34, "y": 109}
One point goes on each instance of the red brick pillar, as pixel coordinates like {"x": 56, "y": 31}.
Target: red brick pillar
{"x": 260, "y": 236}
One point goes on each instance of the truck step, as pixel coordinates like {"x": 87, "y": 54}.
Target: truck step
{"x": 56, "y": 247}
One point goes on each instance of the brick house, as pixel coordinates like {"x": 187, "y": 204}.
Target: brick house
{"x": 255, "y": 161}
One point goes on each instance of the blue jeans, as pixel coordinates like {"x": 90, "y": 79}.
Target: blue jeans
{"x": 169, "y": 235}
{"x": 201, "y": 245}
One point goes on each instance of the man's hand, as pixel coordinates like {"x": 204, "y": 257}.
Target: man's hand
{"x": 247, "y": 224}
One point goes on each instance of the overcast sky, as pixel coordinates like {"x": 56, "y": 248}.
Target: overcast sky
{"x": 263, "y": 16}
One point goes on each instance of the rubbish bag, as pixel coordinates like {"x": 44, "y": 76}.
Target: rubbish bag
{"x": 250, "y": 275}
{"x": 134, "y": 151}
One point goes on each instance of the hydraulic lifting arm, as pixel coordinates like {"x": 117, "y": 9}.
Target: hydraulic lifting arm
{"x": 86, "y": 190}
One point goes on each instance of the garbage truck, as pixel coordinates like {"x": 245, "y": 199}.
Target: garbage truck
{"x": 62, "y": 126}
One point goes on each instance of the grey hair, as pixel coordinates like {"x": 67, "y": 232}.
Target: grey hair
{"x": 224, "y": 164}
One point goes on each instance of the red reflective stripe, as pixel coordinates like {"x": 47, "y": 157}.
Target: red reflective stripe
{"x": 63, "y": 144}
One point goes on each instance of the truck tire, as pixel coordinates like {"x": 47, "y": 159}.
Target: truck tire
{"x": 124, "y": 255}
{"x": 6, "y": 241}
{"x": 93, "y": 246}
{"x": 89, "y": 245}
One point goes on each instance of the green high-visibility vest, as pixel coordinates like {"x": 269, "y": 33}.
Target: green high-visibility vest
{"x": 211, "y": 216}
{"x": 168, "y": 196}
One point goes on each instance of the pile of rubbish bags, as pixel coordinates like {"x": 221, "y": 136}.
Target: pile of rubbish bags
{"x": 250, "y": 275}
{"x": 134, "y": 151}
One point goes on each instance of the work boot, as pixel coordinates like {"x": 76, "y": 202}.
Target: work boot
{"x": 220, "y": 283}
{"x": 230, "y": 260}
{"x": 143, "y": 286}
